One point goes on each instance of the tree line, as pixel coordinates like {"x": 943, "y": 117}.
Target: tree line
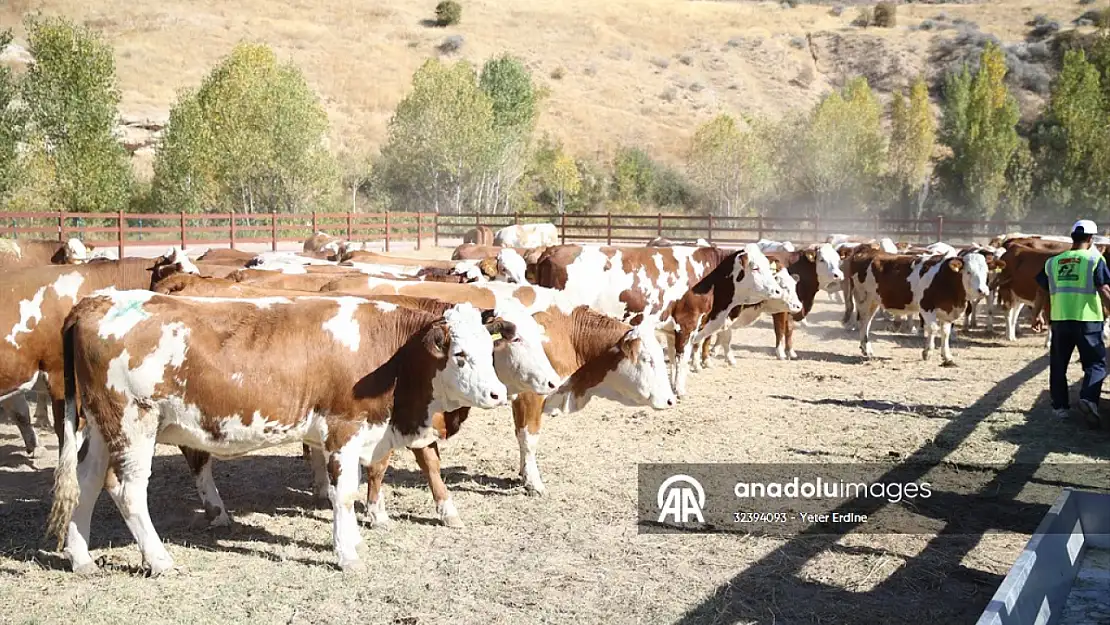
{"x": 252, "y": 137}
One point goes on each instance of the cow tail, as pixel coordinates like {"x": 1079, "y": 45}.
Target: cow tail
{"x": 849, "y": 303}
{"x": 66, "y": 487}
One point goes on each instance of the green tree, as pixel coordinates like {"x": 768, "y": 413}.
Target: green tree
{"x": 514, "y": 100}
{"x": 913, "y": 134}
{"x": 980, "y": 127}
{"x": 12, "y": 129}
{"x": 838, "y": 154}
{"x": 731, "y": 166}
{"x": 252, "y": 138}
{"x": 439, "y": 139}
{"x": 71, "y": 98}
{"x": 633, "y": 176}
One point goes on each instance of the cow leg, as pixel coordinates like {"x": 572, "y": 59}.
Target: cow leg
{"x": 428, "y": 459}
{"x": 318, "y": 461}
{"x": 706, "y": 347}
{"x": 930, "y": 322}
{"x": 724, "y": 338}
{"x": 343, "y": 467}
{"x": 375, "y": 499}
{"x": 129, "y": 489}
{"x": 684, "y": 348}
{"x": 92, "y": 471}
{"x": 945, "y": 344}
{"x": 201, "y": 464}
{"x": 788, "y": 335}
{"x": 867, "y": 316}
{"x": 527, "y": 417}
{"x": 778, "y": 320}
{"x": 20, "y": 410}
{"x": 1012, "y": 314}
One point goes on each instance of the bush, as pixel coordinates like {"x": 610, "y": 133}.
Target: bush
{"x": 798, "y": 42}
{"x": 886, "y": 14}
{"x": 863, "y": 17}
{"x": 1097, "y": 17}
{"x": 661, "y": 62}
{"x": 926, "y": 25}
{"x": 836, "y": 11}
{"x": 1043, "y": 28}
{"x": 448, "y": 13}
{"x": 452, "y": 44}
{"x": 558, "y": 73}
{"x": 1082, "y": 2}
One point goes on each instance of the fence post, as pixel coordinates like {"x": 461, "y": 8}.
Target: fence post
{"x": 418, "y": 216}
{"x": 314, "y": 227}
{"x": 435, "y": 229}
{"x": 940, "y": 228}
{"x": 387, "y": 230}
{"x": 477, "y": 219}
{"x": 760, "y": 226}
{"x": 61, "y": 226}
{"x": 273, "y": 231}
{"x": 232, "y": 222}
{"x": 659, "y": 224}
{"x": 609, "y": 228}
{"x": 120, "y": 225}
{"x": 182, "y": 215}
{"x": 563, "y": 229}
{"x": 709, "y": 237}
{"x": 817, "y": 228}
{"x": 348, "y": 225}
{"x": 875, "y": 225}
{"x": 516, "y": 218}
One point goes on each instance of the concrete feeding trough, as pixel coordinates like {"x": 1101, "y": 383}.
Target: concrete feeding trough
{"x": 1062, "y": 577}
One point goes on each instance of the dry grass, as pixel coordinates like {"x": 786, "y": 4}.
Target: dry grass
{"x": 360, "y": 56}
{"x": 575, "y": 556}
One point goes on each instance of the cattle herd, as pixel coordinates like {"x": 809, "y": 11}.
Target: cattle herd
{"x": 354, "y": 353}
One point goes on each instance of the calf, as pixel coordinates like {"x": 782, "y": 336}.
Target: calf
{"x": 482, "y": 235}
{"x": 357, "y": 379}
{"x": 931, "y": 286}
{"x": 744, "y": 277}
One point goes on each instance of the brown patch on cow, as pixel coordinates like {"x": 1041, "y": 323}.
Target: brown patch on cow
{"x": 526, "y": 295}
{"x": 32, "y": 253}
{"x": 229, "y": 257}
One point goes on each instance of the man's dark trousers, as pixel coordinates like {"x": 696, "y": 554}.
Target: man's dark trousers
{"x": 1066, "y": 337}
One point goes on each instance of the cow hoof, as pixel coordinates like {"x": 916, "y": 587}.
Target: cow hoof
{"x": 792, "y": 355}
{"x": 379, "y": 521}
{"x": 731, "y": 362}
{"x": 352, "y": 566}
{"x": 453, "y": 521}
{"x": 161, "y": 568}
{"x": 89, "y": 568}
{"x": 535, "y": 490}
{"x": 219, "y": 522}
{"x": 33, "y": 453}
{"x": 949, "y": 363}
{"x": 925, "y": 355}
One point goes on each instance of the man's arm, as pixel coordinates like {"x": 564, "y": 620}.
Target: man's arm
{"x": 1102, "y": 282}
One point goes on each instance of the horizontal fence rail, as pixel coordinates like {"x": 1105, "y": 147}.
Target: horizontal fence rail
{"x": 189, "y": 230}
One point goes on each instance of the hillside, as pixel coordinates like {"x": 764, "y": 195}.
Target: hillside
{"x": 643, "y": 72}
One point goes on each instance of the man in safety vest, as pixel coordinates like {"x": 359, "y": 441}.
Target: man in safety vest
{"x": 1078, "y": 285}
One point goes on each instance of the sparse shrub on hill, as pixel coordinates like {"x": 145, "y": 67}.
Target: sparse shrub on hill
{"x": 250, "y": 139}
{"x": 451, "y": 45}
{"x": 448, "y": 13}
{"x": 864, "y": 17}
{"x": 1042, "y": 28}
{"x": 71, "y": 98}
{"x": 886, "y": 15}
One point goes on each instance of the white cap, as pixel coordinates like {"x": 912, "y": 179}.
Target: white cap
{"x": 1084, "y": 226}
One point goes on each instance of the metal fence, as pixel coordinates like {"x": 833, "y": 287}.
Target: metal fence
{"x": 124, "y": 229}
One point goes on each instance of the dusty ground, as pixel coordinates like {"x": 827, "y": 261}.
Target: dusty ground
{"x": 641, "y": 72}
{"x": 575, "y": 556}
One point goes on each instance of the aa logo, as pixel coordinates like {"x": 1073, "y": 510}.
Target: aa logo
{"x": 680, "y": 497}
{"x": 1067, "y": 270}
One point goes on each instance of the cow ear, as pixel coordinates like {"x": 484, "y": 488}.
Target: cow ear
{"x": 488, "y": 315}
{"x": 811, "y": 256}
{"x": 999, "y": 265}
{"x": 488, "y": 267}
{"x": 796, "y": 277}
{"x": 437, "y": 341}
{"x": 501, "y": 329}
{"x": 630, "y": 346}
{"x": 955, "y": 264}
{"x": 774, "y": 264}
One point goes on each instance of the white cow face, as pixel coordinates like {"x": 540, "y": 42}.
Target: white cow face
{"x": 76, "y": 252}
{"x": 511, "y": 267}
{"x": 828, "y": 266}
{"x": 975, "y": 275}
{"x": 468, "y": 379}
{"x": 640, "y": 377}
{"x": 757, "y": 282}
{"x": 788, "y": 282}
{"x": 519, "y": 358}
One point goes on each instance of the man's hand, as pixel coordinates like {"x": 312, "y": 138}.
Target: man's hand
{"x": 1038, "y": 324}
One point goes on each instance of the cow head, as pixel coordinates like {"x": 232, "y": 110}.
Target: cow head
{"x": 464, "y": 346}
{"x": 519, "y": 356}
{"x": 788, "y": 283}
{"x": 75, "y": 252}
{"x": 173, "y": 261}
{"x": 640, "y": 376}
{"x": 828, "y": 265}
{"x": 754, "y": 277}
{"x": 511, "y": 267}
{"x": 976, "y": 274}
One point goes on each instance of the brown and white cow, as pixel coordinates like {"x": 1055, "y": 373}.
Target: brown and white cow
{"x": 26, "y": 253}
{"x": 33, "y": 305}
{"x": 1016, "y": 285}
{"x": 527, "y": 235}
{"x": 322, "y": 244}
{"x": 630, "y": 283}
{"x": 707, "y": 307}
{"x": 356, "y": 378}
{"x": 482, "y": 235}
{"x": 933, "y": 287}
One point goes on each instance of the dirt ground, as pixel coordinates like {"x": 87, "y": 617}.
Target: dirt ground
{"x": 575, "y": 556}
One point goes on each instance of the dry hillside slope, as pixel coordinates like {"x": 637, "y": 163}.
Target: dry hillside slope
{"x": 643, "y": 72}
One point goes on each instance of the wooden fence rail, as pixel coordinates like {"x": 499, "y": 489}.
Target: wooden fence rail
{"x": 129, "y": 229}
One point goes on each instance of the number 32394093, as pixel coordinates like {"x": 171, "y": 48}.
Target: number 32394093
{"x": 759, "y": 517}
